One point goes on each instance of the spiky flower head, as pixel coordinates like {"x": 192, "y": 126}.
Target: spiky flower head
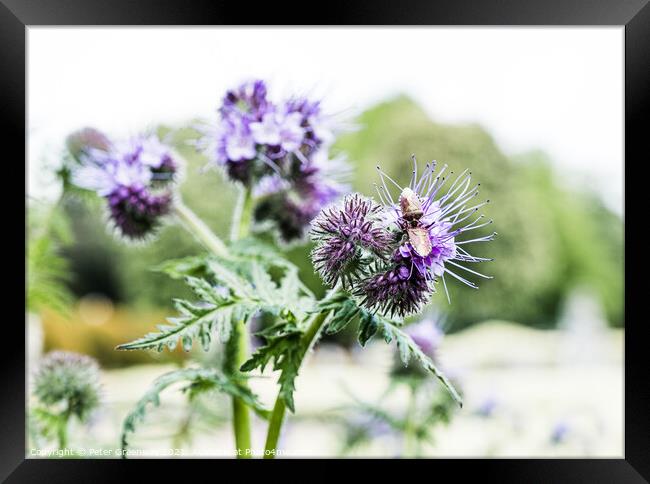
{"x": 423, "y": 222}
{"x": 136, "y": 177}
{"x": 69, "y": 381}
{"x": 348, "y": 235}
{"x": 281, "y": 152}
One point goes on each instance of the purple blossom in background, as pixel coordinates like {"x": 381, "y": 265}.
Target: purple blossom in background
{"x": 280, "y": 152}
{"x": 487, "y": 407}
{"x": 134, "y": 177}
{"x": 427, "y": 335}
{"x": 560, "y": 432}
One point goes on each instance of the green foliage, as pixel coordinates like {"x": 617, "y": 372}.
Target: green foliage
{"x": 363, "y": 421}
{"x": 200, "y": 380}
{"x": 231, "y": 290}
{"x": 283, "y": 347}
{"x": 47, "y": 270}
{"x": 286, "y": 341}
{"x": 345, "y": 310}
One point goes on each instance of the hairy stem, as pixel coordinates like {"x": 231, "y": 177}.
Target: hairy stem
{"x": 237, "y": 346}
{"x": 199, "y": 229}
{"x": 307, "y": 341}
{"x": 243, "y": 215}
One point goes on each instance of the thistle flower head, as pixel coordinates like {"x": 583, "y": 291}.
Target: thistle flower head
{"x": 418, "y": 230}
{"x": 345, "y": 234}
{"x": 135, "y": 177}
{"x": 428, "y": 216}
{"x": 68, "y": 380}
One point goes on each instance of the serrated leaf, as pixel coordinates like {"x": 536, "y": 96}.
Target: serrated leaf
{"x": 180, "y": 268}
{"x": 344, "y": 315}
{"x": 283, "y": 349}
{"x": 200, "y": 380}
{"x": 408, "y": 350}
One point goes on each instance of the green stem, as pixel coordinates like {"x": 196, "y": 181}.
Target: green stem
{"x": 243, "y": 215}
{"x": 237, "y": 345}
{"x": 236, "y": 353}
{"x": 307, "y": 341}
{"x": 200, "y": 230}
{"x": 62, "y": 431}
{"x": 410, "y": 443}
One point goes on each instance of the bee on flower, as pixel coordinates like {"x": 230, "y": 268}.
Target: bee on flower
{"x": 415, "y": 235}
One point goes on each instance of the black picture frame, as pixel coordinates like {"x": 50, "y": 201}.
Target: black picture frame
{"x": 634, "y": 15}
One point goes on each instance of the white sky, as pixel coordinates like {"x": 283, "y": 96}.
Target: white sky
{"x": 558, "y": 89}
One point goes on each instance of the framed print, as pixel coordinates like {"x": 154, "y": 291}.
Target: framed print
{"x": 393, "y": 233}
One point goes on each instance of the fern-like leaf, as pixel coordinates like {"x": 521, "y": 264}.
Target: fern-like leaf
{"x": 199, "y": 380}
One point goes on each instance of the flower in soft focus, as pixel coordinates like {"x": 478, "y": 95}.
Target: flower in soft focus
{"x": 422, "y": 225}
{"x": 280, "y": 152}
{"x": 82, "y": 141}
{"x": 560, "y": 432}
{"x": 344, "y": 234}
{"x": 70, "y": 381}
{"x": 134, "y": 176}
{"x": 427, "y": 335}
{"x": 487, "y": 407}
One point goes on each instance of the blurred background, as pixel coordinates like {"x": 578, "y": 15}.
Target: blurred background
{"x": 535, "y": 114}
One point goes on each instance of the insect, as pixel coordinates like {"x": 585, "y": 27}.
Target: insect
{"x": 412, "y": 211}
{"x": 419, "y": 239}
{"x": 410, "y": 204}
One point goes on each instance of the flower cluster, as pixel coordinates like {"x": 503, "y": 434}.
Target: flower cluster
{"x": 134, "y": 176}
{"x": 280, "y": 151}
{"x": 69, "y": 380}
{"x": 398, "y": 251}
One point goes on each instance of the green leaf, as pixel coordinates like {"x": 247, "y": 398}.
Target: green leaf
{"x": 283, "y": 349}
{"x": 344, "y": 314}
{"x": 200, "y": 380}
{"x": 345, "y": 309}
{"x": 180, "y": 268}
{"x": 229, "y": 290}
{"x": 408, "y": 350}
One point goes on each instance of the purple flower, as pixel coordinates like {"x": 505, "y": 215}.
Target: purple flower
{"x": 280, "y": 151}
{"x": 487, "y": 407}
{"x": 82, "y": 141}
{"x": 246, "y": 101}
{"x": 395, "y": 292}
{"x": 283, "y": 131}
{"x": 427, "y": 335}
{"x": 129, "y": 175}
{"x": 429, "y": 216}
{"x": 237, "y": 143}
{"x": 343, "y": 234}
{"x": 560, "y": 432}
{"x": 419, "y": 235}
